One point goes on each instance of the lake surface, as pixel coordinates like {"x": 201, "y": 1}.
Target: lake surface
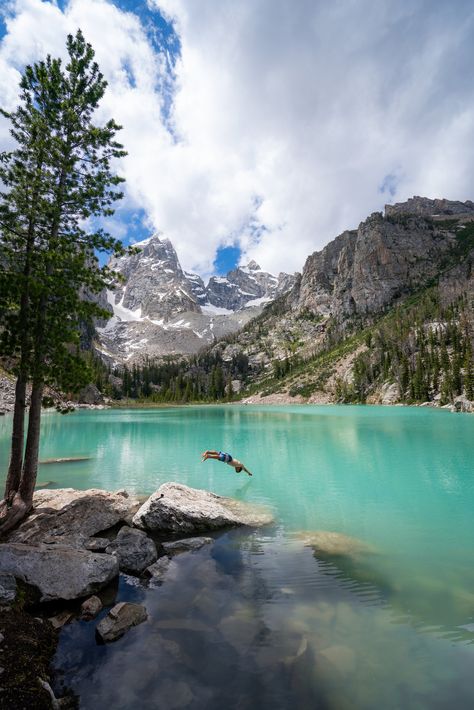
{"x": 258, "y": 619}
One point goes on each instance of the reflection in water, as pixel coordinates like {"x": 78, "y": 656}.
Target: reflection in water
{"x": 386, "y": 630}
{"x": 254, "y": 621}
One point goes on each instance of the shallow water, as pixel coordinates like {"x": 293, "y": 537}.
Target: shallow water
{"x": 257, "y": 619}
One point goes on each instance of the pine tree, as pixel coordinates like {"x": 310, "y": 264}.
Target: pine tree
{"x": 57, "y": 177}
{"x": 468, "y": 373}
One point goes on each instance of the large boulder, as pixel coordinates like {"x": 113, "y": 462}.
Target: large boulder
{"x": 177, "y": 508}
{"x": 58, "y": 572}
{"x": 133, "y": 549}
{"x": 71, "y": 517}
{"x": 90, "y": 395}
{"x": 120, "y": 619}
{"x": 462, "y": 404}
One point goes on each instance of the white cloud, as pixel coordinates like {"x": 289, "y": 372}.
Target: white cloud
{"x": 287, "y": 117}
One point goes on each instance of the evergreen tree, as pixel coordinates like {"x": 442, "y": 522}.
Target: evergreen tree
{"x": 468, "y": 373}
{"x": 56, "y": 178}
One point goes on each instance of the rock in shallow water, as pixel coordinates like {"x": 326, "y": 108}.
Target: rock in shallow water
{"x": 161, "y": 569}
{"x": 58, "y": 572}
{"x": 120, "y": 619}
{"x": 334, "y": 544}
{"x": 91, "y": 607}
{"x": 187, "y": 544}
{"x": 178, "y": 508}
{"x": 133, "y": 549}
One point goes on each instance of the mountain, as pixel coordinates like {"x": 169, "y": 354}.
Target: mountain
{"x": 377, "y": 310}
{"x": 384, "y": 313}
{"x": 159, "y": 309}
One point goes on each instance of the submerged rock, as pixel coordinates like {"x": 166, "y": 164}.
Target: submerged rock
{"x": 66, "y": 459}
{"x": 161, "y": 569}
{"x": 68, "y": 516}
{"x": 178, "y": 508}
{"x": 58, "y": 572}
{"x": 334, "y": 544}
{"x": 120, "y": 619}
{"x": 133, "y": 549}
{"x": 187, "y": 544}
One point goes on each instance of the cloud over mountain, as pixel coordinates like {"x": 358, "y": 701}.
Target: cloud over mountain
{"x": 278, "y": 124}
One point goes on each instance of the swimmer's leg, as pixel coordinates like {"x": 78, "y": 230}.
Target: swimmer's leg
{"x": 210, "y": 455}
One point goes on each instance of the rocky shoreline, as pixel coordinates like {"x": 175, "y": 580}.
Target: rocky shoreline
{"x": 460, "y": 404}
{"x": 91, "y": 398}
{"x": 63, "y": 561}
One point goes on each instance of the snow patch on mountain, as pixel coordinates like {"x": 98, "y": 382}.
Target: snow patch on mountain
{"x": 160, "y": 309}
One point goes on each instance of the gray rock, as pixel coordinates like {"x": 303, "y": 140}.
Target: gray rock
{"x": 8, "y": 589}
{"x": 462, "y": 404}
{"x": 90, "y": 394}
{"x": 390, "y": 393}
{"x": 91, "y": 607}
{"x": 177, "y": 508}
{"x": 97, "y": 544}
{"x": 133, "y": 549}
{"x": 120, "y": 619}
{"x": 58, "y": 572}
{"x": 161, "y": 569}
{"x": 61, "y": 619}
{"x": 67, "y": 515}
{"x": 187, "y": 544}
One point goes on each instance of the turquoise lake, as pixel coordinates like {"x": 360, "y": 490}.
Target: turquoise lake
{"x": 258, "y": 619}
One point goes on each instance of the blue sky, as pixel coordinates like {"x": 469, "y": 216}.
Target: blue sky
{"x": 261, "y": 129}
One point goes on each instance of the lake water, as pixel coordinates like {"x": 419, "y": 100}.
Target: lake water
{"x": 258, "y": 619}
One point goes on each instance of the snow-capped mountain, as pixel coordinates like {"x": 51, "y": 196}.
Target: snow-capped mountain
{"x": 246, "y": 286}
{"x": 159, "y": 309}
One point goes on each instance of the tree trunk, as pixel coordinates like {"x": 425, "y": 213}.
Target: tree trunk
{"x": 30, "y": 465}
{"x": 18, "y": 432}
{"x": 18, "y": 435}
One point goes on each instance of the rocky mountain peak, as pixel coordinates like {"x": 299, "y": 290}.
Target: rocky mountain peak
{"x": 246, "y": 286}
{"x": 363, "y": 271}
{"x": 160, "y": 309}
{"x": 155, "y": 284}
{"x": 426, "y": 207}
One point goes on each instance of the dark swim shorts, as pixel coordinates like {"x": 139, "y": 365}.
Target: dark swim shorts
{"x": 226, "y": 458}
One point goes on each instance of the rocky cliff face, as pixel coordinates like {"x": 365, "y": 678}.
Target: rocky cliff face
{"x": 353, "y": 283}
{"x": 245, "y": 286}
{"x": 424, "y": 207}
{"x": 154, "y": 285}
{"x": 159, "y": 309}
{"x": 389, "y": 256}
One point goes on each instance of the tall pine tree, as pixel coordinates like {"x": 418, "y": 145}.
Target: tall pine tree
{"x": 58, "y": 176}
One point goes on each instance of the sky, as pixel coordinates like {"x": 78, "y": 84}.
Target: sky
{"x": 261, "y": 129}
